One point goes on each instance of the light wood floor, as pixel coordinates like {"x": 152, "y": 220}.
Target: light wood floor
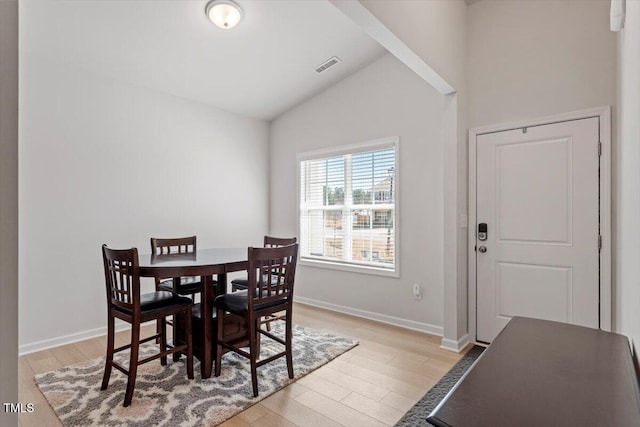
{"x": 372, "y": 385}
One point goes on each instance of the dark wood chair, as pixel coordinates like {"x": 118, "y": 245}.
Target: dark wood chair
{"x": 122, "y": 278}
{"x": 242, "y": 283}
{"x": 186, "y": 285}
{"x": 270, "y": 290}
{"x": 269, "y": 242}
{"x": 180, "y": 245}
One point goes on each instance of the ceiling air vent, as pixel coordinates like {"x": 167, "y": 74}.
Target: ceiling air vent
{"x": 327, "y": 64}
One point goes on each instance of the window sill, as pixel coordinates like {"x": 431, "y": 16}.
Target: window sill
{"x": 362, "y": 269}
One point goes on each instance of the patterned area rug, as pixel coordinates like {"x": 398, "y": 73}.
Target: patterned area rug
{"x": 164, "y": 396}
{"x": 417, "y": 416}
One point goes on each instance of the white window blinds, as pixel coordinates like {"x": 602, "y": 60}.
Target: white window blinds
{"x": 347, "y": 206}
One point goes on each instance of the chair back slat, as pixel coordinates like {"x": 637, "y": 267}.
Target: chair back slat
{"x": 271, "y": 274}
{"x": 180, "y": 245}
{"x": 274, "y": 242}
{"x": 122, "y": 277}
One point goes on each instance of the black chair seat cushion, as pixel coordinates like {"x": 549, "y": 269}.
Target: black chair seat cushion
{"x": 236, "y": 302}
{"x": 243, "y": 283}
{"x": 187, "y": 286}
{"x": 237, "y": 284}
{"x": 160, "y": 299}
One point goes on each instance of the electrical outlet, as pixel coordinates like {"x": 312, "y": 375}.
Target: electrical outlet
{"x": 417, "y": 291}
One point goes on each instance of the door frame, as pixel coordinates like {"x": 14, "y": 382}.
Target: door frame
{"x": 604, "y": 115}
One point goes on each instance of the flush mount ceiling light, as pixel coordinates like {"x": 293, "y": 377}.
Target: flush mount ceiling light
{"x": 224, "y": 13}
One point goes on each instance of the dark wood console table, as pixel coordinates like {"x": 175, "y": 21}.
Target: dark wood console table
{"x": 542, "y": 373}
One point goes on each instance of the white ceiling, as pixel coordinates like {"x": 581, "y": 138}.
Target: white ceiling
{"x": 260, "y": 69}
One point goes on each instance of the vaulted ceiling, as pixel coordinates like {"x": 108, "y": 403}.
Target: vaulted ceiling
{"x": 260, "y": 69}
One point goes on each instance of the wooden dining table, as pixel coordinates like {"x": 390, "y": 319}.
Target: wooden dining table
{"x": 205, "y": 263}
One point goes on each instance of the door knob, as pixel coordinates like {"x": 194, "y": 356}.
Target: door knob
{"x": 482, "y": 249}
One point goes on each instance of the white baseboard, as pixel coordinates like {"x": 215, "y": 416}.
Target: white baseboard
{"x": 69, "y": 339}
{"x": 391, "y": 320}
{"x": 121, "y": 326}
{"x": 456, "y": 346}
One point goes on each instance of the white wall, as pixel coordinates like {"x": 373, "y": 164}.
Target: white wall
{"x": 384, "y": 99}
{"x": 436, "y": 31}
{"x": 433, "y": 29}
{"x": 529, "y": 59}
{"x": 517, "y": 59}
{"x": 102, "y": 161}
{"x": 627, "y": 315}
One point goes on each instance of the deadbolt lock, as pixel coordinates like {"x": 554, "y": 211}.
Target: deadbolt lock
{"x": 482, "y": 231}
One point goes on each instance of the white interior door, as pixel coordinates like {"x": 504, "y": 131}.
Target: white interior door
{"x": 537, "y": 191}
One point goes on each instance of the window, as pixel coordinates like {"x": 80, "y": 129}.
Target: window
{"x": 348, "y": 215}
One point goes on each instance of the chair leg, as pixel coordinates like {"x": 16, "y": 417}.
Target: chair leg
{"x": 163, "y": 339}
{"x": 187, "y": 324}
{"x": 108, "y": 364}
{"x": 253, "y": 350}
{"x": 258, "y": 338}
{"x": 133, "y": 362}
{"x": 158, "y": 330}
{"x": 289, "y": 344}
{"x": 220, "y": 330}
{"x": 174, "y": 333}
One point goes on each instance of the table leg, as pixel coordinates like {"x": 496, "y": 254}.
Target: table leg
{"x": 222, "y": 283}
{"x": 207, "y": 338}
{"x": 206, "y": 329}
{"x": 178, "y": 325}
